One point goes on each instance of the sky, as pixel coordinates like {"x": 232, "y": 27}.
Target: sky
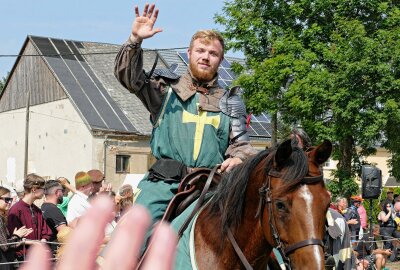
{"x": 100, "y": 21}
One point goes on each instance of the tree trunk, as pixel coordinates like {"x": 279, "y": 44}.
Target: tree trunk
{"x": 274, "y": 124}
{"x": 346, "y": 149}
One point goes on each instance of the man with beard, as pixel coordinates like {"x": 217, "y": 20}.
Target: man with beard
{"x": 55, "y": 219}
{"x": 196, "y": 123}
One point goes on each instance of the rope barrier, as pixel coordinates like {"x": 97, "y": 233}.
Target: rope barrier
{"x": 376, "y": 241}
{"x": 24, "y": 242}
{"x": 31, "y": 241}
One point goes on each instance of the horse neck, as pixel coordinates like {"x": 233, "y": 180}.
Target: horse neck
{"x": 249, "y": 235}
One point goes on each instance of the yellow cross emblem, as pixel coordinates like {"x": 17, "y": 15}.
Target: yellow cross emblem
{"x": 201, "y": 120}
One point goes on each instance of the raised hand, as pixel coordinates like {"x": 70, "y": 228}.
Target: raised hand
{"x": 143, "y": 26}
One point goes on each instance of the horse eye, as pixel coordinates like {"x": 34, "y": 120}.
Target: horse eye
{"x": 280, "y": 206}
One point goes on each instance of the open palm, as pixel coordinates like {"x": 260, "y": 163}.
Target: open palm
{"x": 143, "y": 26}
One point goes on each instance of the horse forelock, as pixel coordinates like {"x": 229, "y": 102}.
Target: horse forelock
{"x": 229, "y": 199}
{"x": 293, "y": 173}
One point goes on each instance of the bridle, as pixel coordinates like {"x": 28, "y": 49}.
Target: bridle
{"x": 265, "y": 193}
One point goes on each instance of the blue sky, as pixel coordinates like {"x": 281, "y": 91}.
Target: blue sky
{"x": 99, "y": 21}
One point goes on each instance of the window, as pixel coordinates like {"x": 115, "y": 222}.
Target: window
{"x": 122, "y": 164}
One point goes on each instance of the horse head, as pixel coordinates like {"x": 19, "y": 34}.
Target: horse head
{"x": 275, "y": 199}
{"x": 296, "y": 202}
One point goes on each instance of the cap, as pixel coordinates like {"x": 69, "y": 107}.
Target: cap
{"x": 96, "y": 175}
{"x": 82, "y": 179}
{"x": 356, "y": 198}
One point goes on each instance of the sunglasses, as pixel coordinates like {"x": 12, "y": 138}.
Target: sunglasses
{"x": 6, "y": 199}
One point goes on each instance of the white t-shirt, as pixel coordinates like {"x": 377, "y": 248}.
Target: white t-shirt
{"x": 77, "y": 206}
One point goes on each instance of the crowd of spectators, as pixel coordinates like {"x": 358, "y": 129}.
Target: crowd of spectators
{"x": 371, "y": 249}
{"x": 48, "y": 211}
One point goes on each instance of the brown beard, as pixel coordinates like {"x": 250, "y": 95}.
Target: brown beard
{"x": 202, "y": 75}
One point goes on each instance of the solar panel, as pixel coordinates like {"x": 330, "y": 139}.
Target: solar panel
{"x": 82, "y": 85}
{"x": 184, "y": 57}
{"x": 225, "y": 63}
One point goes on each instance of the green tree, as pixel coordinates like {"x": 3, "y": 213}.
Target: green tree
{"x": 331, "y": 65}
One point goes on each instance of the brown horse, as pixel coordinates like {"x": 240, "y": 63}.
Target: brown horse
{"x": 275, "y": 199}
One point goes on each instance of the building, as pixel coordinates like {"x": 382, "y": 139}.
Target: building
{"x": 80, "y": 117}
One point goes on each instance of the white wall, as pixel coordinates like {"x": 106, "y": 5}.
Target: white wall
{"x": 60, "y": 144}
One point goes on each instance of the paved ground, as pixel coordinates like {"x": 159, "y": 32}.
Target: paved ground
{"x": 393, "y": 265}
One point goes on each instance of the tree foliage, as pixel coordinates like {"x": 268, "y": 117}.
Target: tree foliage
{"x": 332, "y": 66}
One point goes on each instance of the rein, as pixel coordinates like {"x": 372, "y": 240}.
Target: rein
{"x": 266, "y": 198}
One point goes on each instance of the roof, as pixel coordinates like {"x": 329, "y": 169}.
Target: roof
{"x": 83, "y": 81}
{"x": 85, "y": 71}
{"x": 392, "y": 182}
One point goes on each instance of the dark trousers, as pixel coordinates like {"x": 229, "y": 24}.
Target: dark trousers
{"x": 387, "y": 234}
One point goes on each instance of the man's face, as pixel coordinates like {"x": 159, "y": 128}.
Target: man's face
{"x": 342, "y": 204}
{"x": 205, "y": 57}
{"x": 97, "y": 186}
{"x": 59, "y": 193}
{"x": 87, "y": 189}
{"x": 397, "y": 207}
{"x": 39, "y": 192}
{"x": 390, "y": 195}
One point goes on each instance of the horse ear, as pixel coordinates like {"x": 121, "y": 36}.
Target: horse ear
{"x": 283, "y": 153}
{"x": 322, "y": 152}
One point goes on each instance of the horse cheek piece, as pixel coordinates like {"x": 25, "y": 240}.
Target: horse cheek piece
{"x": 283, "y": 203}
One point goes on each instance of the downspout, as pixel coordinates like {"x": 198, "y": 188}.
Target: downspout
{"x": 105, "y": 156}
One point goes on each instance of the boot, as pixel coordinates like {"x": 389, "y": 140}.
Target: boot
{"x": 393, "y": 257}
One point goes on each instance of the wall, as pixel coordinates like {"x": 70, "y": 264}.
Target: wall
{"x": 379, "y": 160}
{"x": 60, "y": 144}
{"x": 141, "y": 158}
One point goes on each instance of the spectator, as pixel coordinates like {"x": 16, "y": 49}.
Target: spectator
{"x": 25, "y": 213}
{"x": 64, "y": 205}
{"x": 390, "y": 196}
{"x": 98, "y": 182}
{"x": 337, "y": 241}
{"x": 353, "y": 218}
{"x": 78, "y": 203}
{"x": 396, "y": 233}
{"x": 52, "y": 214}
{"x": 369, "y": 255}
{"x": 341, "y": 205}
{"x": 386, "y": 223}
{"x": 6, "y": 251}
{"x": 363, "y": 218}
{"x": 126, "y": 198}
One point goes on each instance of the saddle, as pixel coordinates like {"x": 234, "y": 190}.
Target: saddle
{"x": 190, "y": 189}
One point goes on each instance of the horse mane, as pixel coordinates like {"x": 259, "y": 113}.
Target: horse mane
{"x": 228, "y": 201}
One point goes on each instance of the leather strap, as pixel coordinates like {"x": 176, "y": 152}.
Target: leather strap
{"x": 239, "y": 252}
{"x": 200, "y": 200}
{"x": 304, "y": 243}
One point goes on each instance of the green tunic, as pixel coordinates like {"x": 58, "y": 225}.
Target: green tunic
{"x": 194, "y": 137}
{"x": 184, "y": 133}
